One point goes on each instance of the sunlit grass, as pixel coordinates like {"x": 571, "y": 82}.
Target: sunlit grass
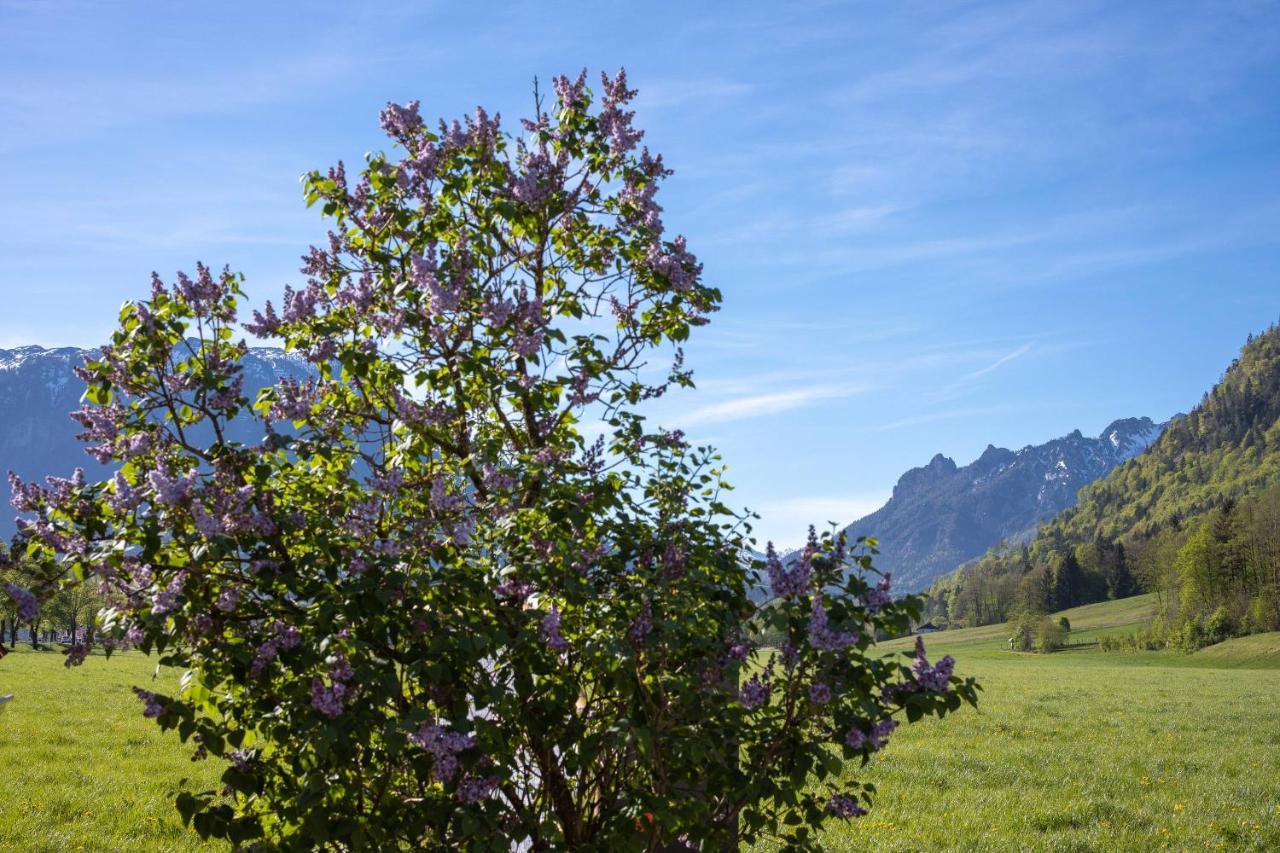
{"x": 81, "y": 768}
{"x": 1087, "y": 750}
{"x": 1080, "y": 750}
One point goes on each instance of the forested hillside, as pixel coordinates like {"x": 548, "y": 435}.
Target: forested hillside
{"x": 1196, "y": 517}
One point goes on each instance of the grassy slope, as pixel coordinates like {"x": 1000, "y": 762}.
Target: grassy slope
{"x": 82, "y": 768}
{"x": 1086, "y": 750}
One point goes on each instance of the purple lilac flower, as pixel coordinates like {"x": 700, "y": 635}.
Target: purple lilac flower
{"x": 936, "y": 679}
{"x": 879, "y": 597}
{"x": 444, "y": 747}
{"x": 154, "y": 707}
{"x": 473, "y": 789}
{"x": 755, "y": 693}
{"x": 206, "y": 525}
{"x": 550, "y": 628}
{"x": 28, "y": 607}
{"x": 26, "y": 496}
{"x": 784, "y": 583}
{"x": 821, "y": 637}
{"x": 340, "y": 670}
{"x": 841, "y": 806}
{"x": 264, "y": 326}
{"x": 513, "y": 588}
{"x": 880, "y": 733}
{"x": 641, "y": 625}
{"x": 242, "y": 759}
{"x": 167, "y": 600}
{"x": 169, "y": 491}
{"x": 400, "y": 121}
{"x": 819, "y": 694}
{"x": 879, "y": 737}
{"x": 123, "y": 497}
{"x": 76, "y": 654}
{"x": 228, "y": 600}
{"x": 327, "y": 699}
{"x": 569, "y": 93}
{"x": 283, "y": 637}
{"x": 740, "y": 651}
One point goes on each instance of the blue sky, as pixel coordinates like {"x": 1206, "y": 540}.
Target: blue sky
{"x": 936, "y": 224}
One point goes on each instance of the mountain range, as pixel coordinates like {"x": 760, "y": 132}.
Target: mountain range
{"x": 942, "y": 515}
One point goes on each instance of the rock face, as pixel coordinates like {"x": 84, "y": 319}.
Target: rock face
{"x": 38, "y": 389}
{"x": 941, "y": 515}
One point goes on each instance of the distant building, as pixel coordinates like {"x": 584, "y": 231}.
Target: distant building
{"x": 927, "y": 628}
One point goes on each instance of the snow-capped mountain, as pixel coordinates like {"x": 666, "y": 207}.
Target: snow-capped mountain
{"x": 941, "y": 515}
{"x": 38, "y": 389}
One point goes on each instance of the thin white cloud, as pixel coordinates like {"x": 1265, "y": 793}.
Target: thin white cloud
{"x": 755, "y": 405}
{"x": 662, "y": 94}
{"x": 998, "y": 363}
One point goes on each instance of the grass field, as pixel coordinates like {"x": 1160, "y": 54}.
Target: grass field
{"x": 1087, "y": 750}
{"x": 1079, "y": 750}
{"x": 82, "y": 768}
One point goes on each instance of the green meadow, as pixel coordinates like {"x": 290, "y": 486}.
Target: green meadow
{"x": 82, "y": 768}
{"x": 1078, "y": 750}
{"x": 1087, "y": 750}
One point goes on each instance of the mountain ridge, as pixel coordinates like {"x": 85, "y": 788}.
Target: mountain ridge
{"x": 941, "y": 514}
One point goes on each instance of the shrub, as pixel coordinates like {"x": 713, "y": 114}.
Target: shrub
{"x": 1218, "y": 626}
{"x": 1065, "y": 624}
{"x": 1023, "y": 630}
{"x": 1049, "y": 635}
{"x": 424, "y": 611}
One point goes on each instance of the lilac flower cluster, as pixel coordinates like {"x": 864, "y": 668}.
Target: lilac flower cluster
{"x": 473, "y": 789}
{"x": 877, "y": 739}
{"x": 569, "y": 93}
{"x": 676, "y": 263}
{"x": 170, "y": 490}
{"x": 641, "y": 625}
{"x": 444, "y": 747}
{"x": 821, "y": 637}
{"x": 877, "y": 598}
{"x": 26, "y": 497}
{"x": 786, "y": 583}
{"x": 124, "y": 497}
{"x": 615, "y": 122}
{"x": 228, "y": 599}
{"x": 153, "y": 707}
{"x": 937, "y": 678}
{"x": 755, "y": 693}
{"x": 294, "y": 400}
{"x": 513, "y": 588}
{"x": 327, "y": 699}
{"x": 28, "y": 607}
{"x": 168, "y": 599}
{"x": 401, "y": 121}
{"x": 550, "y": 628}
{"x": 283, "y": 637}
{"x": 819, "y": 693}
{"x": 844, "y": 807}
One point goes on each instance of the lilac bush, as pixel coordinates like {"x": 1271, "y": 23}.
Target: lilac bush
{"x": 424, "y": 610}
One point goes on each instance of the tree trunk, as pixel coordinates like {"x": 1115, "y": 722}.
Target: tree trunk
{"x": 35, "y": 635}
